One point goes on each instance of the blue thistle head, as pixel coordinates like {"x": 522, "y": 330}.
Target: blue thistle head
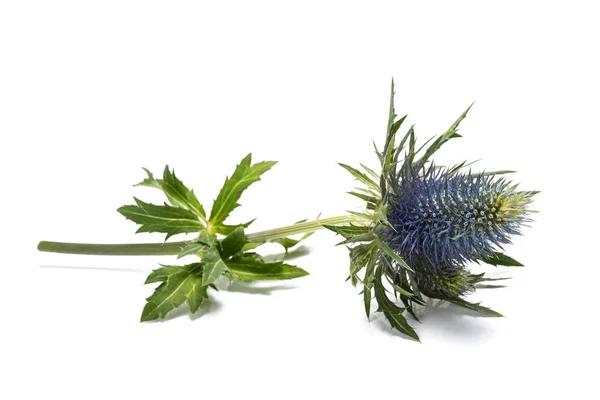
{"x": 448, "y": 219}
{"x": 424, "y": 224}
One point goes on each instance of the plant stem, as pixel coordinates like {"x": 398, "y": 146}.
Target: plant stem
{"x": 173, "y": 248}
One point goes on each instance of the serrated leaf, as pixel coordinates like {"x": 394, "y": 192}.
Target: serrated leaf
{"x": 233, "y": 243}
{"x": 476, "y": 307}
{"x": 180, "y": 195}
{"x": 177, "y": 193}
{"x": 180, "y": 285}
{"x": 361, "y": 177}
{"x": 196, "y": 297}
{"x": 150, "y": 181}
{"x": 369, "y": 199}
{"x": 364, "y": 237}
{"x": 359, "y": 256}
{"x": 162, "y": 274}
{"x": 393, "y": 255}
{"x": 164, "y": 219}
{"x": 244, "y": 175}
{"x": 192, "y": 248}
{"x": 370, "y": 171}
{"x": 248, "y": 268}
{"x": 439, "y": 142}
{"x": 502, "y": 259}
{"x": 225, "y": 229}
{"x": 347, "y": 230}
{"x": 286, "y": 242}
{"x": 392, "y": 312}
{"x": 206, "y": 238}
{"x": 214, "y": 266}
{"x": 503, "y": 172}
{"x": 368, "y": 281}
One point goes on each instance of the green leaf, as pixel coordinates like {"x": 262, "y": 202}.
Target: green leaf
{"x": 163, "y": 273}
{"x": 214, "y": 266}
{"x": 365, "y": 237}
{"x": 370, "y": 171}
{"x": 244, "y": 175}
{"x": 179, "y": 284}
{"x": 150, "y": 181}
{"x": 250, "y": 268}
{"x": 450, "y": 133}
{"x": 502, "y": 259}
{"x": 196, "y": 297}
{"x": 347, "y": 230}
{"x": 392, "y": 312}
{"x": 180, "y": 195}
{"x": 192, "y": 248}
{"x": 177, "y": 193}
{"x": 369, "y": 199}
{"x": 233, "y": 243}
{"x": 393, "y": 255}
{"x": 227, "y": 229}
{"x": 368, "y": 281}
{"x": 476, "y": 307}
{"x": 288, "y": 243}
{"x": 206, "y": 238}
{"x": 165, "y": 218}
{"x": 361, "y": 177}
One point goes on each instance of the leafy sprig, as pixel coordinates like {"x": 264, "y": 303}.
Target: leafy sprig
{"x": 223, "y": 250}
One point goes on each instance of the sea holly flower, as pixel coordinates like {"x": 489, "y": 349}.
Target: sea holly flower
{"x": 422, "y": 226}
{"x": 425, "y": 223}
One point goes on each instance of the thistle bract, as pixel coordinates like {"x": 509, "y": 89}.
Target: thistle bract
{"x": 449, "y": 219}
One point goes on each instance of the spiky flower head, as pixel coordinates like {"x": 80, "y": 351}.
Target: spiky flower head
{"x": 424, "y": 224}
{"x": 450, "y": 218}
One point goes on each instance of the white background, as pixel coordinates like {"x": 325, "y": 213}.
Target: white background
{"x": 92, "y": 91}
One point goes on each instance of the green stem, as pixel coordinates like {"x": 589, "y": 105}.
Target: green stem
{"x": 173, "y": 248}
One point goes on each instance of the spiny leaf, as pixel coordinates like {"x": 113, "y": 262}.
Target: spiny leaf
{"x": 192, "y": 248}
{"x": 206, "y": 238}
{"x": 347, "y": 230}
{"x": 196, "y": 297}
{"x": 288, "y": 243}
{"x": 502, "y": 259}
{"x": 392, "y": 312}
{"x": 180, "y": 195}
{"x": 244, "y": 175}
{"x": 249, "y": 268}
{"x": 360, "y": 176}
{"x": 233, "y": 243}
{"x": 476, "y": 307}
{"x": 370, "y": 171}
{"x": 225, "y": 229}
{"x": 393, "y": 255}
{"x": 180, "y": 285}
{"x": 165, "y": 218}
{"x": 214, "y": 266}
{"x": 368, "y": 199}
{"x": 450, "y": 133}
{"x": 177, "y": 193}
{"x": 150, "y": 181}
{"x": 162, "y": 274}
{"x": 365, "y": 237}
{"x": 368, "y": 281}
